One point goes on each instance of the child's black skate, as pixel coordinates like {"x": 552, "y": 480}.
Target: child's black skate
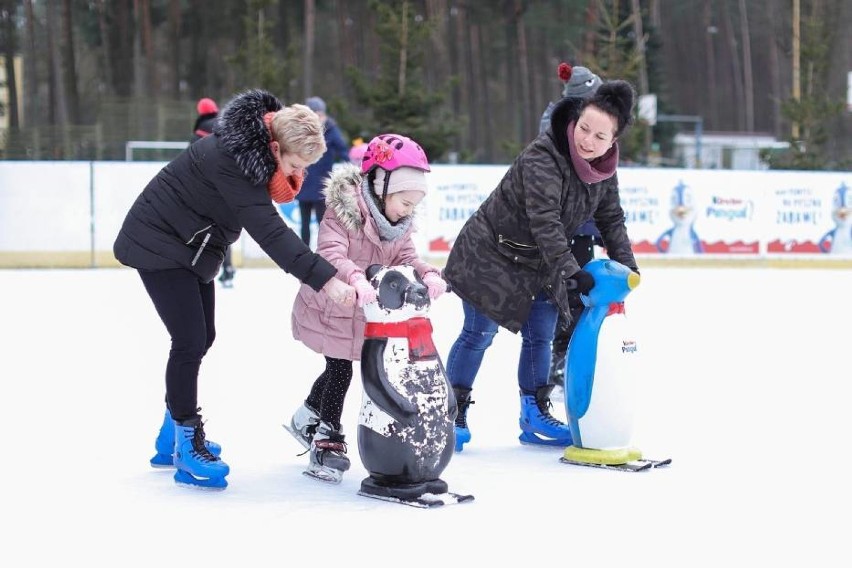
{"x": 328, "y": 454}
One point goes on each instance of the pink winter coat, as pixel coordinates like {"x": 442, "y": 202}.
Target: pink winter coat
{"x": 349, "y": 239}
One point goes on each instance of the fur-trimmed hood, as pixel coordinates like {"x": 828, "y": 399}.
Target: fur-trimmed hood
{"x": 346, "y": 195}
{"x": 566, "y": 110}
{"x": 342, "y": 192}
{"x": 243, "y": 133}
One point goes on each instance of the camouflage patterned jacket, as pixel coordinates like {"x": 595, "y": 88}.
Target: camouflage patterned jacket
{"x": 517, "y": 244}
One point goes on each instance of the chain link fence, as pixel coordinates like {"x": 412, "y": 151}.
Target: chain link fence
{"x": 117, "y": 121}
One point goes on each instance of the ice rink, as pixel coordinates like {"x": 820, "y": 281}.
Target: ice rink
{"x": 745, "y": 383}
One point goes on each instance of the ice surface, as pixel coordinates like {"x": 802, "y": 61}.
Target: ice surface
{"x": 745, "y": 384}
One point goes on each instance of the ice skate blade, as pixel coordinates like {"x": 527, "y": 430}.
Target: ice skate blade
{"x": 325, "y": 474}
{"x": 297, "y": 436}
{"x": 530, "y": 439}
{"x": 425, "y": 501}
{"x": 186, "y": 479}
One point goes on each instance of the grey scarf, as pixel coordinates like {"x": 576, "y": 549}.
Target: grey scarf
{"x": 387, "y": 231}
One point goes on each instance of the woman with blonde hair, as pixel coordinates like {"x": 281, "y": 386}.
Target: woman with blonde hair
{"x": 176, "y": 233}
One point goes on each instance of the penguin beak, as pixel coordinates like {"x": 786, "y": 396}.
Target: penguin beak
{"x": 633, "y": 280}
{"x": 417, "y": 295}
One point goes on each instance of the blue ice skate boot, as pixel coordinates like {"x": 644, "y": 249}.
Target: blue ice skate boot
{"x": 165, "y": 444}
{"x": 462, "y": 431}
{"x": 196, "y": 466}
{"x": 538, "y": 426}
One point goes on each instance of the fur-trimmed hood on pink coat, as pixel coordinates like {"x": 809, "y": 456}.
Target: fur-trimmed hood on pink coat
{"x": 349, "y": 239}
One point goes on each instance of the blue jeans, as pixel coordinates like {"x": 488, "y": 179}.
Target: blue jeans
{"x": 478, "y": 333}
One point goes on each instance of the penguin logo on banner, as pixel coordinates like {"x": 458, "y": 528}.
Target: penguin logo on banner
{"x": 681, "y": 238}
{"x": 839, "y": 239}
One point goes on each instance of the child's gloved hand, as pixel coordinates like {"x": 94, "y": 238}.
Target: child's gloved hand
{"x": 435, "y": 284}
{"x": 363, "y": 289}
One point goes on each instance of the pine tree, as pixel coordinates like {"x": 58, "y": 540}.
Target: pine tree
{"x": 396, "y": 97}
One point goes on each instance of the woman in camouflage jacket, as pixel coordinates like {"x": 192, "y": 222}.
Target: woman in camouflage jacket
{"x": 511, "y": 263}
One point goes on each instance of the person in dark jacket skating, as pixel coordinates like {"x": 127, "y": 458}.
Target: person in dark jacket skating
{"x": 178, "y": 229}
{"x": 578, "y": 82}
{"x": 511, "y": 263}
{"x": 311, "y": 198}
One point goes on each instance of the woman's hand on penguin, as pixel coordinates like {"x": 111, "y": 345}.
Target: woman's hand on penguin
{"x": 581, "y": 281}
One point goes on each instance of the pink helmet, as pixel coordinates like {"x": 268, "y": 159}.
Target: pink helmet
{"x": 392, "y": 151}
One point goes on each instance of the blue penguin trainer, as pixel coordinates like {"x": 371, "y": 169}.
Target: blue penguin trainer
{"x": 601, "y": 373}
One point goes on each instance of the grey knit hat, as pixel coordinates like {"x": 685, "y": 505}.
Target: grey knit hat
{"x": 581, "y": 83}
{"x": 316, "y": 104}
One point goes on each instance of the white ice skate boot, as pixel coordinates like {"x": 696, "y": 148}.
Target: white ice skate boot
{"x": 303, "y": 424}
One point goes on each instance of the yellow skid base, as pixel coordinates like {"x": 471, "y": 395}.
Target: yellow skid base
{"x": 606, "y": 457}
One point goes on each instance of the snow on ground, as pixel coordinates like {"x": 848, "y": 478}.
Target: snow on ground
{"x": 744, "y": 383}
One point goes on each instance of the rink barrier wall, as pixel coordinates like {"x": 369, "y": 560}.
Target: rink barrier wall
{"x": 67, "y": 214}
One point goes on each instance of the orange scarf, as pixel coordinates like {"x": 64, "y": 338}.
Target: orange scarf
{"x": 282, "y": 189}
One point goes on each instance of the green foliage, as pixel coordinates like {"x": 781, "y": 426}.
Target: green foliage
{"x": 618, "y": 57}
{"x": 397, "y": 99}
{"x": 256, "y": 63}
{"x": 814, "y": 111}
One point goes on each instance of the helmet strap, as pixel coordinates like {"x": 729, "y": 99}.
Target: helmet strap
{"x": 385, "y": 190}
{"x": 371, "y": 184}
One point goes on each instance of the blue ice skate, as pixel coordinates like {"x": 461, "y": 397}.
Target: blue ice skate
{"x": 196, "y": 466}
{"x": 165, "y": 444}
{"x": 538, "y": 426}
{"x": 462, "y": 431}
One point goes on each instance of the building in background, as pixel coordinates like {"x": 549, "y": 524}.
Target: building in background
{"x": 725, "y": 150}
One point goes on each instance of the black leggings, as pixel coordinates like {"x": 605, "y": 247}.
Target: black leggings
{"x": 305, "y": 208}
{"x": 329, "y": 390}
{"x": 187, "y": 307}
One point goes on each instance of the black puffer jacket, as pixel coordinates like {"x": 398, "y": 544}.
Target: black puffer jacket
{"x": 518, "y": 241}
{"x": 196, "y": 206}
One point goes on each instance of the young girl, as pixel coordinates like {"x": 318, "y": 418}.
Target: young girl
{"x": 368, "y": 220}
